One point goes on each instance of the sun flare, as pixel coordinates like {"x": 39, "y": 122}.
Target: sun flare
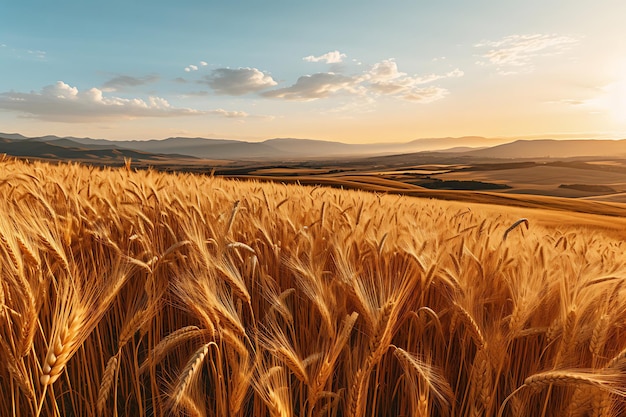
{"x": 617, "y": 101}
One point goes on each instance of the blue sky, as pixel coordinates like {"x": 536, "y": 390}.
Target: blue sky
{"x": 356, "y": 71}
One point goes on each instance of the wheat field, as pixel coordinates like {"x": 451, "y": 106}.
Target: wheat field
{"x": 138, "y": 293}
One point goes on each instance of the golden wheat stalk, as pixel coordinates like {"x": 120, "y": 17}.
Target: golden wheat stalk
{"x": 188, "y": 374}
{"x": 63, "y": 344}
{"x": 231, "y": 220}
{"x": 318, "y": 255}
{"x": 17, "y": 371}
{"x": 436, "y": 382}
{"x": 608, "y": 380}
{"x": 514, "y": 225}
{"x": 106, "y": 385}
{"x": 168, "y": 343}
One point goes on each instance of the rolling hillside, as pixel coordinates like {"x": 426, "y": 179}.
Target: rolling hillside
{"x": 549, "y": 148}
{"x": 271, "y": 149}
{"x": 65, "y": 150}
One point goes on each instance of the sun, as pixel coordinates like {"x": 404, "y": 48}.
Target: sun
{"x": 617, "y": 101}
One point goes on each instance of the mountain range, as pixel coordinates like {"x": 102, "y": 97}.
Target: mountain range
{"x": 289, "y": 149}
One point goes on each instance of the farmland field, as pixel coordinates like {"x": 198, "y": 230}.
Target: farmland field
{"x": 126, "y": 292}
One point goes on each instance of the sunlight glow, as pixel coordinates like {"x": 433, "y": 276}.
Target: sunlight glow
{"x": 617, "y": 101}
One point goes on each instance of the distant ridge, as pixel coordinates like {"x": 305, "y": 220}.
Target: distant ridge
{"x": 12, "y": 136}
{"x": 196, "y": 147}
{"x": 551, "y": 148}
{"x": 436, "y": 144}
{"x": 291, "y": 149}
{"x": 65, "y": 149}
{"x": 270, "y": 149}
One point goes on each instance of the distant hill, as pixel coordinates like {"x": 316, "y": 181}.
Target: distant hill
{"x": 321, "y": 148}
{"x": 289, "y": 149}
{"x": 439, "y": 144}
{"x": 196, "y": 147}
{"x": 65, "y": 149}
{"x": 460, "y": 149}
{"x": 69, "y": 143}
{"x": 279, "y": 148}
{"x": 313, "y": 148}
{"x": 550, "y": 148}
{"x": 12, "y": 136}
{"x": 165, "y": 145}
{"x": 271, "y": 149}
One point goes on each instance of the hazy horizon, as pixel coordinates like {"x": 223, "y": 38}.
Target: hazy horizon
{"x": 354, "y": 72}
{"x": 488, "y": 140}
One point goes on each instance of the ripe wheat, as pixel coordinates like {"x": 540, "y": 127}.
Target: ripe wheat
{"x": 126, "y": 292}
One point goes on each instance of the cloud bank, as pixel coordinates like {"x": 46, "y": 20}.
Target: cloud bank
{"x": 382, "y": 79}
{"x": 333, "y": 57}
{"x": 121, "y": 82}
{"x": 61, "y": 102}
{"x": 37, "y": 54}
{"x": 312, "y": 87}
{"x": 229, "y": 114}
{"x": 515, "y": 53}
{"x": 239, "y": 81}
{"x": 385, "y": 79}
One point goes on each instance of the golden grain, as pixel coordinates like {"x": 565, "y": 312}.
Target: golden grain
{"x": 106, "y": 384}
{"x": 280, "y": 300}
{"x": 189, "y": 372}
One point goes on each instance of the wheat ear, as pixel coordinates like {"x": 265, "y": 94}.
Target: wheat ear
{"x": 231, "y": 220}
{"x": 514, "y": 225}
{"x": 609, "y": 380}
{"x": 108, "y": 379}
{"x": 28, "y": 253}
{"x": 471, "y": 325}
{"x": 15, "y": 368}
{"x": 433, "y": 378}
{"x": 61, "y": 348}
{"x": 30, "y": 318}
{"x": 190, "y": 371}
{"x": 167, "y": 343}
{"x": 379, "y": 342}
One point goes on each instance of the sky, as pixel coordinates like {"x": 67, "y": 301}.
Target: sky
{"x": 346, "y": 70}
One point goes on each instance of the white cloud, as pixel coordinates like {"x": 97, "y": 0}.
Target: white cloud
{"x": 382, "y": 79}
{"x": 230, "y": 114}
{"x": 123, "y": 81}
{"x": 455, "y": 73}
{"x": 384, "y": 71}
{"x": 191, "y": 68}
{"x": 37, "y": 54}
{"x": 333, "y": 57}
{"x": 203, "y": 64}
{"x": 515, "y": 53}
{"x": 387, "y": 72}
{"x": 238, "y": 81}
{"x": 312, "y": 87}
{"x": 61, "y": 102}
{"x": 425, "y": 95}
{"x": 385, "y": 78}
